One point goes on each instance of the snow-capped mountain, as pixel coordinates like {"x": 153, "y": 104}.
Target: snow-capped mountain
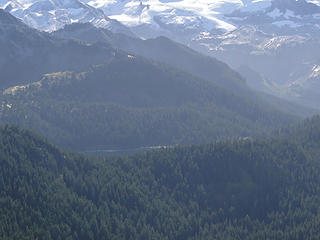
{"x": 277, "y": 39}
{"x": 180, "y": 20}
{"x": 167, "y": 17}
{"x": 50, "y": 15}
{"x": 192, "y": 17}
{"x": 189, "y": 15}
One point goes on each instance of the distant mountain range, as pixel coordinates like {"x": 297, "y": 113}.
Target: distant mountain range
{"x": 161, "y": 17}
{"x": 92, "y": 94}
{"x": 278, "y": 40}
{"x": 284, "y": 65}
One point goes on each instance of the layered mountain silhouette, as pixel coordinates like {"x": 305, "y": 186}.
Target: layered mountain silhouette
{"x": 92, "y": 94}
{"x": 26, "y": 53}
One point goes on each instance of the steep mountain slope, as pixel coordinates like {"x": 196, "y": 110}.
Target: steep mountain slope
{"x": 26, "y": 53}
{"x": 279, "y": 43}
{"x": 245, "y": 189}
{"x": 160, "y": 49}
{"x": 164, "y": 50}
{"x": 281, "y": 61}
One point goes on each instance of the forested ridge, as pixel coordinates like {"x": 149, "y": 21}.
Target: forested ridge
{"x": 241, "y": 189}
{"x": 147, "y": 104}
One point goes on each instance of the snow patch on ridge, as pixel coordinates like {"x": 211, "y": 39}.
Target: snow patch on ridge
{"x": 315, "y": 71}
{"x": 316, "y": 2}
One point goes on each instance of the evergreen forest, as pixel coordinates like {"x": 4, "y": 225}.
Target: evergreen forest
{"x": 240, "y": 189}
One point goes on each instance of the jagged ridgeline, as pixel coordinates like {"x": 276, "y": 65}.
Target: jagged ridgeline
{"x": 89, "y": 95}
{"x": 265, "y": 189}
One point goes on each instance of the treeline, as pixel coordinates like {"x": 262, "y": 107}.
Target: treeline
{"x": 243, "y": 189}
